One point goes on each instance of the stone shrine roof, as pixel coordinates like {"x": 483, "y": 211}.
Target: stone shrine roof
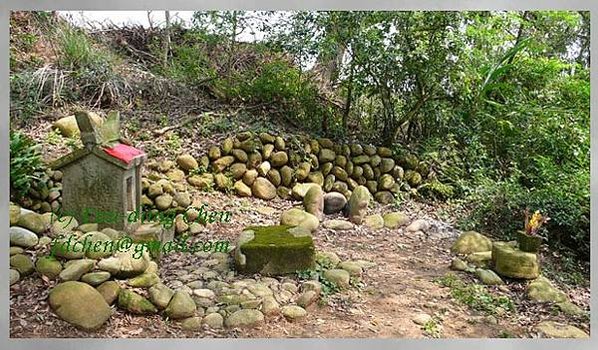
{"x": 121, "y": 155}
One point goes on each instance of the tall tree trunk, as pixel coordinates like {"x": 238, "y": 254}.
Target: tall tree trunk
{"x": 149, "y": 20}
{"x": 519, "y": 34}
{"x": 233, "y": 39}
{"x": 349, "y": 99}
{"x": 166, "y": 39}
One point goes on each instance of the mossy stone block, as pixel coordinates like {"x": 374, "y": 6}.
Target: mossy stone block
{"x": 512, "y": 262}
{"x": 274, "y": 250}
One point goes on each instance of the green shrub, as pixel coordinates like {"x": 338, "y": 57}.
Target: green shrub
{"x": 497, "y": 207}
{"x": 26, "y": 165}
{"x": 188, "y": 62}
{"x": 76, "y": 49}
{"x": 277, "y": 83}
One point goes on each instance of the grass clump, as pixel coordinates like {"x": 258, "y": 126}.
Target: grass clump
{"x": 476, "y": 296}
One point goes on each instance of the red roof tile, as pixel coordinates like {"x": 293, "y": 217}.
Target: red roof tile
{"x": 123, "y": 152}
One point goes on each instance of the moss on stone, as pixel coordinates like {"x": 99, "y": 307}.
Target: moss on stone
{"x": 276, "y": 250}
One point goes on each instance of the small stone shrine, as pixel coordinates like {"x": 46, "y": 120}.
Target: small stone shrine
{"x": 102, "y": 180}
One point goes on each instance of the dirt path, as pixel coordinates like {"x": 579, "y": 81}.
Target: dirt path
{"x": 400, "y": 286}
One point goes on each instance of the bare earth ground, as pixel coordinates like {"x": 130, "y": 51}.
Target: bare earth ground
{"x": 401, "y": 285}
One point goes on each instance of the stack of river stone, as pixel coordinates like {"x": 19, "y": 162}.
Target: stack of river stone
{"x": 266, "y": 166}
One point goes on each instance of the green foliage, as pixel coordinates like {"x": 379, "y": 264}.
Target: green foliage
{"x": 475, "y": 296}
{"x": 278, "y": 83}
{"x": 26, "y": 165}
{"x": 328, "y": 287}
{"x": 189, "y": 62}
{"x": 83, "y": 74}
{"x": 53, "y": 137}
{"x": 76, "y": 49}
{"x": 432, "y": 328}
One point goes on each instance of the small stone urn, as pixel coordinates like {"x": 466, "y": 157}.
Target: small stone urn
{"x": 529, "y": 243}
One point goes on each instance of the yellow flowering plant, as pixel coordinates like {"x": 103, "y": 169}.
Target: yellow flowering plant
{"x": 533, "y": 223}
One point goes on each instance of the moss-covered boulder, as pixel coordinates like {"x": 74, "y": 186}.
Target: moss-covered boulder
{"x": 480, "y": 259}
{"x": 413, "y": 178}
{"x": 74, "y": 269}
{"x": 286, "y": 175}
{"x": 471, "y": 242}
{"x": 68, "y": 126}
{"x": 244, "y": 318}
{"x": 63, "y": 226}
{"x": 227, "y": 145}
{"x": 79, "y": 304}
{"x": 339, "y": 277}
{"x": 385, "y": 182}
{"x": 338, "y": 225}
{"x": 254, "y": 159}
{"x": 267, "y": 151}
{"x": 397, "y": 172}
{"x": 135, "y": 303}
{"x": 242, "y": 189}
{"x": 95, "y": 278}
{"x": 32, "y": 222}
{"x": 145, "y": 280}
{"x": 488, "y": 277}
{"x": 240, "y": 155}
{"x": 299, "y": 218}
{"x": 395, "y": 219}
{"x": 263, "y": 189}
{"x": 386, "y": 165}
{"x": 214, "y": 152}
{"x": 368, "y": 172}
{"x": 293, "y": 312}
{"x": 22, "y": 263}
{"x": 409, "y": 161}
{"x": 375, "y": 160}
{"x": 90, "y": 239}
{"x": 222, "y": 163}
{"x": 180, "y": 306}
{"x": 374, "y": 221}
{"x": 274, "y": 250}
{"x": 250, "y": 176}
{"x": 326, "y": 155}
{"x": 279, "y": 143}
{"x": 160, "y": 295}
{"x": 279, "y": 159}
{"x": 48, "y": 266}
{"x": 551, "y": 329}
{"x": 202, "y": 182}
{"x": 384, "y": 197}
{"x": 542, "y": 290}
{"x": 273, "y": 176}
{"x": 109, "y": 291}
{"x": 340, "y": 173}
{"x": 14, "y": 213}
{"x": 362, "y": 159}
{"x": 222, "y": 182}
{"x": 511, "y": 262}
{"x": 313, "y": 202}
{"x": 299, "y": 190}
{"x": 237, "y": 170}
{"x": 283, "y": 192}
{"x": 127, "y": 263}
{"x": 358, "y": 204}
{"x": 264, "y": 168}
{"x": 370, "y": 150}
